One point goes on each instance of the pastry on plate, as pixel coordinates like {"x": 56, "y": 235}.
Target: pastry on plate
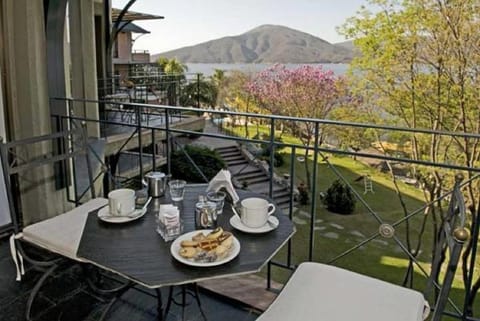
{"x": 188, "y": 252}
{"x": 213, "y": 235}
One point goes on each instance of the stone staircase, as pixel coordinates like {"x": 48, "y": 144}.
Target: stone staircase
{"x": 245, "y": 173}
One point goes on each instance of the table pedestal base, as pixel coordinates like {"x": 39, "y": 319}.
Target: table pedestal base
{"x": 184, "y": 291}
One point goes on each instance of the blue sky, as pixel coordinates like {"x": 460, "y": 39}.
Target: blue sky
{"x": 189, "y": 22}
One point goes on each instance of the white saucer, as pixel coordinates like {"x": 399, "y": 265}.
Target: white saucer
{"x": 104, "y": 215}
{"x": 237, "y": 224}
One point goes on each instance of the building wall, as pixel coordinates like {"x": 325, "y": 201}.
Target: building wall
{"x": 124, "y": 43}
{"x": 4, "y": 210}
{"x": 3, "y": 132}
{"x": 143, "y": 56}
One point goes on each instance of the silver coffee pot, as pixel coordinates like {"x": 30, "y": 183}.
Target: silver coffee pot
{"x": 156, "y": 182}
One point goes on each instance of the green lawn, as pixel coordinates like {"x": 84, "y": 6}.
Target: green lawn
{"x": 334, "y": 234}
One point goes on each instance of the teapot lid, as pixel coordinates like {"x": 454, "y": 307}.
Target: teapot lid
{"x": 155, "y": 175}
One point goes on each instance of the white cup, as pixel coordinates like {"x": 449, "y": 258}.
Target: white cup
{"x": 121, "y": 201}
{"x": 255, "y": 211}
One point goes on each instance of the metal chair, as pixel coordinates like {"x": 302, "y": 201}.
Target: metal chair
{"x": 47, "y": 164}
{"x": 324, "y": 292}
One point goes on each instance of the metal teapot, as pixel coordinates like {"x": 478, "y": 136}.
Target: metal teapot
{"x": 156, "y": 182}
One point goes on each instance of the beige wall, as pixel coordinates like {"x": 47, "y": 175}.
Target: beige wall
{"x": 3, "y": 132}
{"x": 124, "y": 42}
{"x": 141, "y": 57}
{"x": 83, "y": 60}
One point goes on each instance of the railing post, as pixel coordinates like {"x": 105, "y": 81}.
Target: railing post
{"x": 198, "y": 90}
{"x": 470, "y": 293}
{"x": 313, "y": 210}
{"x": 272, "y": 157}
{"x": 139, "y": 133}
{"x": 154, "y": 151}
{"x": 167, "y": 139}
{"x": 290, "y": 206}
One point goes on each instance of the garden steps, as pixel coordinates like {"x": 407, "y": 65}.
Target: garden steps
{"x": 249, "y": 175}
{"x": 232, "y": 155}
{"x": 282, "y": 201}
{"x": 245, "y": 172}
{"x": 282, "y": 193}
{"x": 254, "y": 180}
{"x": 263, "y": 189}
{"x": 237, "y": 162}
{"x": 233, "y": 158}
{"x": 227, "y": 149}
{"x": 228, "y": 153}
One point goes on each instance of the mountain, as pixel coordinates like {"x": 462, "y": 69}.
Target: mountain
{"x": 264, "y": 44}
{"x": 346, "y": 44}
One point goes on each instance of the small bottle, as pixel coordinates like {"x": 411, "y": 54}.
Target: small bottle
{"x": 205, "y": 213}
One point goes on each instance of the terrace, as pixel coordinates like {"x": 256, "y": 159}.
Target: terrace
{"x": 355, "y": 242}
{"x": 388, "y": 237}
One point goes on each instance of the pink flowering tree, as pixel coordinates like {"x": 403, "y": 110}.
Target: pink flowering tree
{"x": 307, "y": 91}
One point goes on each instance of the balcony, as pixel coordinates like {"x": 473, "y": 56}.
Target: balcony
{"x": 141, "y": 56}
{"x": 389, "y": 236}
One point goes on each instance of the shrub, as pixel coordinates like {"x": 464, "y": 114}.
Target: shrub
{"x": 278, "y": 160}
{"x": 209, "y": 162}
{"x": 303, "y": 195}
{"x": 339, "y": 198}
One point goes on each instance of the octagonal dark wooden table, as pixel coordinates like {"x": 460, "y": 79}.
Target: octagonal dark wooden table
{"x": 135, "y": 251}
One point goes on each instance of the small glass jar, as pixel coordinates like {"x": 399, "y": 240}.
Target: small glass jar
{"x": 205, "y": 213}
{"x": 169, "y": 226}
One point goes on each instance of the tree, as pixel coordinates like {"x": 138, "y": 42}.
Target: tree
{"x": 200, "y": 91}
{"x": 305, "y": 91}
{"x": 234, "y": 96}
{"x": 419, "y": 64}
{"x": 174, "y": 75}
{"x": 219, "y": 80}
{"x": 172, "y": 66}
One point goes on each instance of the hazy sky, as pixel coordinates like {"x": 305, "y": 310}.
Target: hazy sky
{"x": 189, "y": 22}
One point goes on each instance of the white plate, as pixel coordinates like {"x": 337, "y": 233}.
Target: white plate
{"x": 237, "y": 223}
{"x": 175, "y": 248}
{"x": 104, "y": 215}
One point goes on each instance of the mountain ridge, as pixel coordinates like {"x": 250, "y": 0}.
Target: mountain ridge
{"x": 263, "y": 44}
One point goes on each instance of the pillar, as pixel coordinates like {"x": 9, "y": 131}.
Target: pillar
{"x": 83, "y": 58}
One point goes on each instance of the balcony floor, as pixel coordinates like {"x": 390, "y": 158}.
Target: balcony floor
{"x": 65, "y": 297}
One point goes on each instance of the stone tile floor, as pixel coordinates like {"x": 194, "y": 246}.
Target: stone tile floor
{"x": 66, "y": 297}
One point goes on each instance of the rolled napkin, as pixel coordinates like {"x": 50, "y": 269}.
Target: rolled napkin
{"x": 223, "y": 179}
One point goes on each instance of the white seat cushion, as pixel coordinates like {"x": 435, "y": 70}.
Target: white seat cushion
{"x": 61, "y": 234}
{"x": 327, "y": 293}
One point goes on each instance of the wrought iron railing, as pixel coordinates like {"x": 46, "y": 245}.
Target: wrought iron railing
{"x": 406, "y": 231}
{"x": 149, "y": 86}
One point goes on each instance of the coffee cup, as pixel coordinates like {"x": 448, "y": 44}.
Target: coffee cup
{"x": 255, "y": 211}
{"x": 121, "y": 201}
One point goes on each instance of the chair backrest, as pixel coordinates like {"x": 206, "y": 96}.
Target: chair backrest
{"x": 451, "y": 237}
{"x": 44, "y": 164}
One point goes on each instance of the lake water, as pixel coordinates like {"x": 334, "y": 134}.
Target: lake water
{"x": 209, "y": 69}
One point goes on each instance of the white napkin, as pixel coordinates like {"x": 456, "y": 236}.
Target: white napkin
{"x": 169, "y": 215}
{"x": 223, "y": 179}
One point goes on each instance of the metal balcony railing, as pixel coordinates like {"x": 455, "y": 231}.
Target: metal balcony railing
{"x": 406, "y": 236}
{"x": 151, "y": 85}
